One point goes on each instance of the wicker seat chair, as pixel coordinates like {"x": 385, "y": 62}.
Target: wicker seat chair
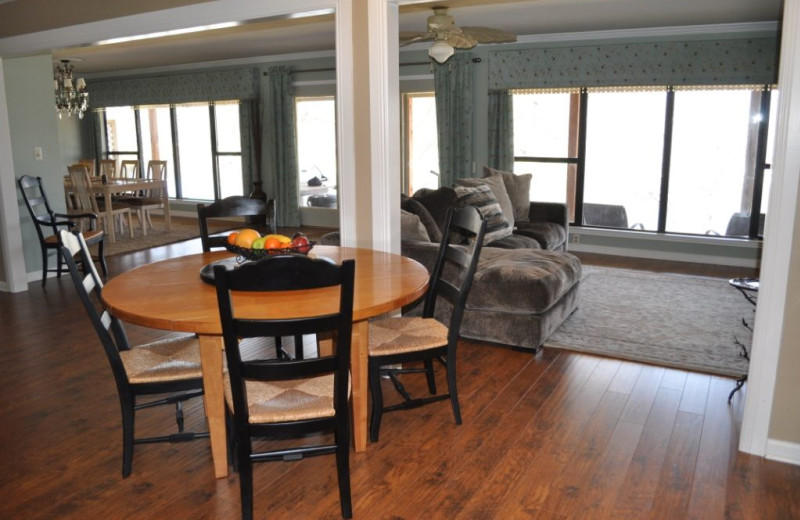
{"x": 48, "y": 223}
{"x": 170, "y": 366}
{"x": 270, "y": 397}
{"x": 404, "y": 340}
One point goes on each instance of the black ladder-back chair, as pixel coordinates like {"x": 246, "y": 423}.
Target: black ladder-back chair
{"x": 46, "y": 220}
{"x": 276, "y": 397}
{"x": 168, "y": 366}
{"x": 394, "y": 341}
{"x": 235, "y": 206}
{"x": 239, "y": 206}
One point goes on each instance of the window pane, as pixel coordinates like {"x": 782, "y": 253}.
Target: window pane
{"x": 121, "y": 129}
{"x": 157, "y": 140}
{"x": 230, "y": 175}
{"x": 316, "y": 151}
{"x": 227, "y": 119}
{"x": 709, "y": 160}
{"x": 541, "y": 125}
{"x": 624, "y": 148}
{"x": 194, "y": 145}
{"x": 422, "y": 142}
{"x": 549, "y": 181}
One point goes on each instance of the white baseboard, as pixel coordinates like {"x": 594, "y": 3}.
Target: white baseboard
{"x": 783, "y": 451}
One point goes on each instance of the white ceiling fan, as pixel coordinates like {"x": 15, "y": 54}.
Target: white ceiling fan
{"x": 447, "y": 36}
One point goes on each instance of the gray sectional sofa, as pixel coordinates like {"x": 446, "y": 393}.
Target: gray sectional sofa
{"x": 526, "y": 284}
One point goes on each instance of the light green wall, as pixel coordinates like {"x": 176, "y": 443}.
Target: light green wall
{"x": 33, "y": 122}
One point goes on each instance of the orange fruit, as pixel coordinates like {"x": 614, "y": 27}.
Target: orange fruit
{"x": 232, "y": 237}
{"x": 245, "y": 237}
{"x": 272, "y": 243}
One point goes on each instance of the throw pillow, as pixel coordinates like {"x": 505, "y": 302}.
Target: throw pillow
{"x": 481, "y": 197}
{"x": 415, "y": 207}
{"x": 498, "y": 188}
{"x": 411, "y": 228}
{"x": 519, "y": 191}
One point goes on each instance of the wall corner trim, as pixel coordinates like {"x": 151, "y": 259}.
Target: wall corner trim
{"x": 783, "y": 451}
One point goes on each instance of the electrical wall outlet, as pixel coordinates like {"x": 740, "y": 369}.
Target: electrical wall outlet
{"x": 576, "y": 239}
{"x": 38, "y": 154}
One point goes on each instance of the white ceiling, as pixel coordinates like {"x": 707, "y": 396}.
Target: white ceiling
{"x": 522, "y": 17}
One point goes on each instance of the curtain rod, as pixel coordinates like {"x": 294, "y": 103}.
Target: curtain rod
{"x": 330, "y": 69}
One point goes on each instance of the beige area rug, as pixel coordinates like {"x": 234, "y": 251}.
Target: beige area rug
{"x": 182, "y": 228}
{"x": 687, "y": 322}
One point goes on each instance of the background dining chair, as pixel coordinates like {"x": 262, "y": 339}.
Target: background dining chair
{"x": 235, "y": 206}
{"x": 84, "y": 200}
{"x": 48, "y": 223}
{"x": 402, "y": 340}
{"x": 129, "y": 169}
{"x": 149, "y": 199}
{"x": 170, "y": 366}
{"x": 108, "y": 167}
{"x": 287, "y": 398}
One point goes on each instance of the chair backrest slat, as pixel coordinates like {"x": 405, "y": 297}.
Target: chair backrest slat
{"x": 82, "y": 195}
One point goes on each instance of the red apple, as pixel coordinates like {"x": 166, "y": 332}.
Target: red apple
{"x": 300, "y": 243}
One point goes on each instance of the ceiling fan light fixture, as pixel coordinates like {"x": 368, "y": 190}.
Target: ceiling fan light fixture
{"x": 441, "y": 51}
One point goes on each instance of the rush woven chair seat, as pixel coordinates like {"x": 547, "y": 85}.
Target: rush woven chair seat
{"x": 48, "y": 224}
{"x": 169, "y": 366}
{"x": 406, "y": 339}
{"x": 276, "y": 398}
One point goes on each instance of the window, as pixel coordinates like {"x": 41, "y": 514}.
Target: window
{"x": 548, "y": 148}
{"x": 421, "y": 153}
{"x": 316, "y": 151}
{"x": 200, "y": 142}
{"x": 624, "y": 150}
{"x": 606, "y": 149}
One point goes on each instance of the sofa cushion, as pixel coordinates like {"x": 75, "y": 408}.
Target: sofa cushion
{"x": 481, "y": 197}
{"x": 548, "y": 234}
{"x": 437, "y": 202}
{"x": 498, "y": 188}
{"x": 522, "y": 280}
{"x": 516, "y": 241}
{"x": 519, "y": 191}
{"x": 411, "y": 227}
{"x": 415, "y": 207}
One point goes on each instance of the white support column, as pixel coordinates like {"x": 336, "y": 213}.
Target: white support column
{"x": 778, "y": 243}
{"x": 16, "y": 279}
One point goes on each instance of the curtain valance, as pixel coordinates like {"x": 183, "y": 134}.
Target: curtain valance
{"x": 719, "y": 62}
{"x": 176, "y": 88}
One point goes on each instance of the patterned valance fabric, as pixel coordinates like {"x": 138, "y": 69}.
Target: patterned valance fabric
{"x": 175, "y": 88}
{"x": 720, "y": 62}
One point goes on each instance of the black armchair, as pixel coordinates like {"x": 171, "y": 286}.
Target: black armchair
{"x": 48, "y": 224}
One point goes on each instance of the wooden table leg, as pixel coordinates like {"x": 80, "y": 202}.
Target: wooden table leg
{"x": 214, "y": 399}
{"x": 359, "y": 357}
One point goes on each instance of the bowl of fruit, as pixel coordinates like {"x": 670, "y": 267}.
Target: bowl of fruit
{"x": 250, "y": 245}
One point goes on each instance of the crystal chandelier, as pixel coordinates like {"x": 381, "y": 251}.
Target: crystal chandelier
{"x": 71, "y": 98}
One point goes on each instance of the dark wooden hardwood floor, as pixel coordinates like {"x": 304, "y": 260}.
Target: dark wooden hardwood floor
{"x": 552, "y": 435}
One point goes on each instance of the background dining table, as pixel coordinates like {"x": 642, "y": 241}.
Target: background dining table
{"x": 109, "y": 187}
{"x": 171, "y": 295}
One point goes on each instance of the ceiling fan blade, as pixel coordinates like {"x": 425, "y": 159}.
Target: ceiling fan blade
{"x": 409, "y": 37}
{"x": 488, "y": 35}
{"x": 461, "y": 41}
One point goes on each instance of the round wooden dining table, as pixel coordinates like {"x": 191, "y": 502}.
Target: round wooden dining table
{"x": 171, "y": 295}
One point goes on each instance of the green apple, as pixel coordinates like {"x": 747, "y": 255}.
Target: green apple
{"x": 259, "y": 243}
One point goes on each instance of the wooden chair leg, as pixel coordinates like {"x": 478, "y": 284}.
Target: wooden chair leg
{"x": 343, "y": 466}
{"x": 374, "y": 376}
{"x": 44, "y": 266}
{"x": 101, "y": 256}
{"x": 245, "y": 481}
{"x": 451, "y": 386}
{"x": 429, "y": 374}
{"x": 128, "y": 419}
